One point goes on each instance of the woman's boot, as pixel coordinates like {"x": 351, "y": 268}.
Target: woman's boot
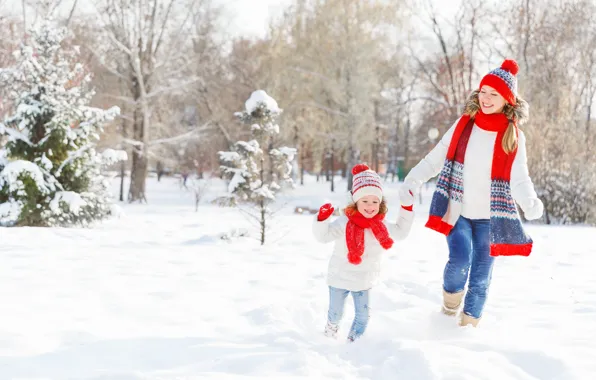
{"x": 465, "y": 319}
{"x": 452, "y": 302}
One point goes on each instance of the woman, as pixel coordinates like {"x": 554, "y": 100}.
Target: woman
{"x": 483, "y": 173}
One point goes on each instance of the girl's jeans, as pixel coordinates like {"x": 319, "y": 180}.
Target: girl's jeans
{"x": 469, "y": 252}
{"x": 337, "y": 300}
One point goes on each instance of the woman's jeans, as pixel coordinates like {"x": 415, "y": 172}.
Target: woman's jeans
{"x": 337, "y": 300}
{"x": 469, "y": 252}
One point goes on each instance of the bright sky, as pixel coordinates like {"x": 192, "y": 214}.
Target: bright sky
{"x": 241, "y": 17}
{"x": 251, "y": 17}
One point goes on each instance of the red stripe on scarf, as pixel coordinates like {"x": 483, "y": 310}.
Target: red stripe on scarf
{"x": 510, "y": 249}
{"x": 436, "y": 223}
{"x": 357, "y": 223}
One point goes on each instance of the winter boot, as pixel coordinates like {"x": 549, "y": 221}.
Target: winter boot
{"x": 331, "y": 330}
{"x": 451, "y": 302}
{"x": 465, "y": 319}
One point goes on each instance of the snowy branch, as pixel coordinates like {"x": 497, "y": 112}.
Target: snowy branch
{"x": 184, "y": 136}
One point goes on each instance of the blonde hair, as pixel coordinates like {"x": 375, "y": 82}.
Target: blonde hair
{"x": 383, "y": 209}
{"x": 515, "y": 114}
{"x": 509, "y": 142}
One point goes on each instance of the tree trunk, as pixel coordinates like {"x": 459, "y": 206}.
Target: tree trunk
{"x": 262, "y": 204}
{"x": 302, "y": 165}
{"x": 122, "y": 173}
{"x": 407, "y": 140}
{"x": 327, "y": 165}
{"x": 331, "y": 170}
{"x": 138, "y": 172}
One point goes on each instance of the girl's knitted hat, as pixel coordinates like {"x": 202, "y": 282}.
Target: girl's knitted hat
{"x": 365, "y": 182}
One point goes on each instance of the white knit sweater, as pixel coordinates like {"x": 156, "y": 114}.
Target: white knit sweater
{"x": 477, "y": 172}
{"x": 344, "y": 275}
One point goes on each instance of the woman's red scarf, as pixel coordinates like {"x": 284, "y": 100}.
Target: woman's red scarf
{"x": 357, "y": 223}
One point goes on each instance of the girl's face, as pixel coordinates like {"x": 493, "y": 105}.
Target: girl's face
{"x": 368, "y": 206}
{"x": 490, "y": 100}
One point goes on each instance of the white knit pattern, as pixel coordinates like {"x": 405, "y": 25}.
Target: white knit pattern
{"x": 366, "y": 183}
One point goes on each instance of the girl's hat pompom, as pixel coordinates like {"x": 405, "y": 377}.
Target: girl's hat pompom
{"x": 359, "y": 168}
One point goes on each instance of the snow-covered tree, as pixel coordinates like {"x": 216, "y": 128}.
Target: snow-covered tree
{"x": 50, "y": 172}
{"x": 256, "y": 169}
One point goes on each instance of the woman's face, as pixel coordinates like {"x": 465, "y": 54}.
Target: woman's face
{"x": 368, "y": 206}
{"x": 490, "y": 100}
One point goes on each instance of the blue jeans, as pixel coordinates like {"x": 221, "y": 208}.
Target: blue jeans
{"x": 337, "y": 300}
{"x": 469, "y": 252}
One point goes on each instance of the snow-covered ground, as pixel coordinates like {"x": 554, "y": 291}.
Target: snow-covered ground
{"x": 156, "y": 294}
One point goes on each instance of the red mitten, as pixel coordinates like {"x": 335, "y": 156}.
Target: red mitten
{"x": 325, "y": 212}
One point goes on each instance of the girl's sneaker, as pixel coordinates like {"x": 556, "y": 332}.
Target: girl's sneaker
{"x": 331, "y": 330}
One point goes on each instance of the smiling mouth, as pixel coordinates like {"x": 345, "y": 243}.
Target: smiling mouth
{"x": 486, "y": 105}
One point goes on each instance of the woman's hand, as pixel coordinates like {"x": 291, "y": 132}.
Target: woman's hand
{"x": 325, "y": 212}
{"x": 406, "y": 195}
{"x": 534, "y": 210}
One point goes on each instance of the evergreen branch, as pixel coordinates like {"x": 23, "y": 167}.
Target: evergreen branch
{"x": 72, "y": 157}
{"x": 15, "y": 134}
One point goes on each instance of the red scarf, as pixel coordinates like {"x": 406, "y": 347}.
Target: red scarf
{"x": 357, "y": 223}
{"x": 507, "y": 235}
{"x": 495, "y": 122}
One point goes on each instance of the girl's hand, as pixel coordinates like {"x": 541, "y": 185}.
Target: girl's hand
{"x": 325, "y": 212}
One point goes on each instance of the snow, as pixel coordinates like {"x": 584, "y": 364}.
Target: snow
{"x": 229, "y": 156}
{"x": 3, "y": 159}
{"x": 11, "y": 172}
{"x": 265, "y": 192}
{"x": 16, "y": 135}
{"x": 159, "y": 293}
{"x": 259, "y": 97}
{"x": 46, "y": 163}
{"x": 237, "y": 179}
{"x": 9, "y": 212}
{"x": 70, "y": 198}
{"x": 288, "y": 152}
{"x": 251, "y": 146}
{"x": 111, "y": 156}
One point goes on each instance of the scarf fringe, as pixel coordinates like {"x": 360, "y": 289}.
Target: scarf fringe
{"x": 510, "y": 249}
{"x": 436, "y": 223}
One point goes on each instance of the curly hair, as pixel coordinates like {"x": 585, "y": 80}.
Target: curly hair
{"x": 383, "y": 209}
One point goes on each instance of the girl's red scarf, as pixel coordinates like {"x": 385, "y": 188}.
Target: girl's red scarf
{"x": 357, "y": 223}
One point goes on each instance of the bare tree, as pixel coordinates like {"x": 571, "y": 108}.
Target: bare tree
{"x": 146, "y": 39}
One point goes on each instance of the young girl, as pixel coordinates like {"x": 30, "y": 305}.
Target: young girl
{"x": 361, "y": 236}
{"x": 483, "y": 173}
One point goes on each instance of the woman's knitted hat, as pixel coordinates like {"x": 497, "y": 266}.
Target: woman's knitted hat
{"x": 504, "y": 80}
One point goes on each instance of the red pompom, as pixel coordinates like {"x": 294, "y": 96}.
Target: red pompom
{"x": 510, "y": 65}
{"x": 359, "y": 168}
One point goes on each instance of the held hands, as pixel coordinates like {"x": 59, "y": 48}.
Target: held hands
{"x": 534, "y": 210}
{"x": 325, "y": 212}
{"x": 406, "y": 194}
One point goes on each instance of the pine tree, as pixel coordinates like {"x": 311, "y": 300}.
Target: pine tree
{"x": 50, "y": 171}
{"x": 256, "y": 169}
